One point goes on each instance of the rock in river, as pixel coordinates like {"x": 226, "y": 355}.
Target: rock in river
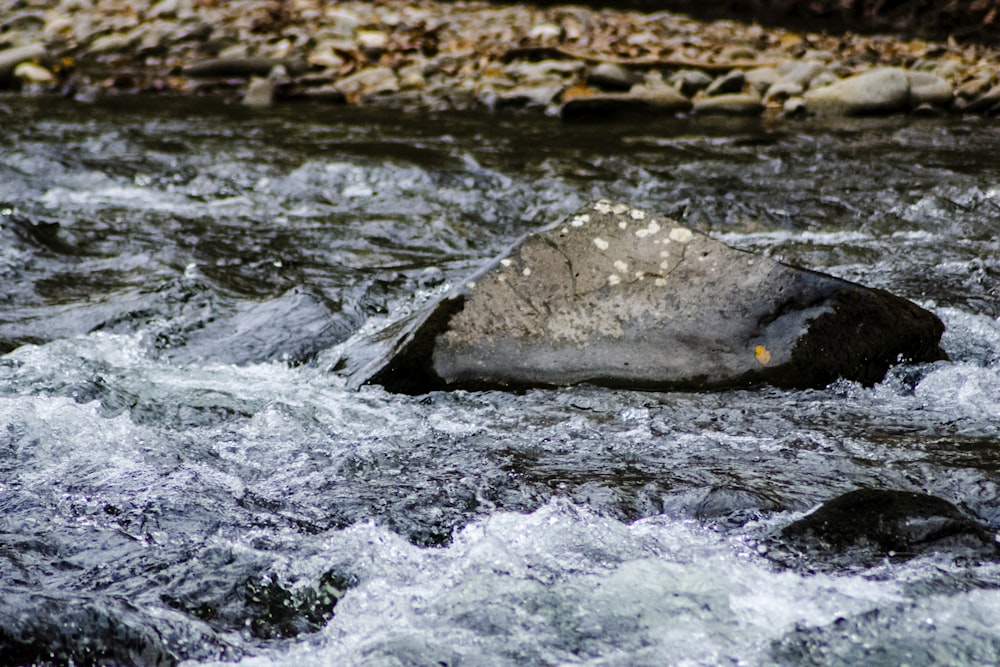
{"x": 863, "y": 527}
{"x": 622, "y": 297}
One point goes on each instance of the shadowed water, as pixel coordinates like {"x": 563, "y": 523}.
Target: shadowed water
{"x": 182, "y": 478}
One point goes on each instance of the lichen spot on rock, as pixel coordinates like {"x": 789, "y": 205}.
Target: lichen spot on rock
{"x": 660, "y": 282}
{"x": 681, "y": 235}
{"x": 601, "y": 243}
{"x": 526, "y": 272}
{"x": 614, "y": 279}
{"x": 619, "y": 209}
{"x": 471, "y": 284}
{"x": 636, "y": 214}
{"x": 506, "y": 262}
{"x": 580, "y": 220}
{"x": 621, "y": 266}
{"x": 603, "y": 206}
{"x": 622, "y": 225}
{"x": 650, "y": 229}
{"x": 762, "y": 355}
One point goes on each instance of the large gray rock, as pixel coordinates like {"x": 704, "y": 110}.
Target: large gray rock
{"x": 878, "y": 91}
{"x": 622, "y": 297}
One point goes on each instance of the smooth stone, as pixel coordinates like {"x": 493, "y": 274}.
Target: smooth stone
{"x": 30, "y": 73}
{"x": 115, "y": 43}
{"x": 340, "y": 23}
{"x": 927, "y": 88}
{"x": 545, "y": 32}
{"x": 643, "y": 101}
{"x": 738, "y": 52}
{"x": 11, "y": 58}
{"x": 762, "y": 78}
{"x": 800, "y": 71}
{"x": 622, "y": 297}
{"x": 819, "y": 55}
{"x": 738, "y": 104}
{"x": 325, "y": 58}
{"x": 984, "y": 102}
{"x": 528, "y": 97}
{"x": 369, "y": 81}
{"x": 880, "y": 91}
{"x": 260, "y": 93}
{"x": 794, "y": 107}
{"x": 782, "y": 90}
{"x": 412, "y": 80}
{"x": 869, "y": 525}
{"x": 544, "y": 69}
{"x": 727, "y": 84}
{"x": 610, "y": 76}
{"x": 824, "y": 78}
{"x": 975, "y": 86}
{"x": 327, "y": 94}
{"x": 690, "y": 81}
{"x": 948, "y": 69}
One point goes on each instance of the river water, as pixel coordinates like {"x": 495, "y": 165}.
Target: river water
{"x": 182, "y": 478}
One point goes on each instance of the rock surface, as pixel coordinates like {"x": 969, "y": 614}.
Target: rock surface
{"x": 881, "y": 90}
{"x": 640, "y": 101}
{"x": 868, "y": 525}
{"x": 622, "y": 297}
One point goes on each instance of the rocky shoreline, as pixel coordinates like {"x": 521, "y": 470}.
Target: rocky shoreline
{"x": 570, "y": 61}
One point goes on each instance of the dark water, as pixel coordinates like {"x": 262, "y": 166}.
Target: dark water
{"x": 183, "y": 479}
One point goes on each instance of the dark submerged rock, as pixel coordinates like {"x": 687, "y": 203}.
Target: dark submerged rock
{"x": 869, "y": 525}
{"x": 620, "y": 297}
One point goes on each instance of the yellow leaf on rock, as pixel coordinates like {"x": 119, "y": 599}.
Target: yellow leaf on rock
{"x": 762, "y": 355}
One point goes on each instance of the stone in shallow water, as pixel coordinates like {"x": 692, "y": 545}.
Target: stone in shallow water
{"x": 622, "y": 297}
{"x": 882, "y": 90}
{"x": 868, "y": 525}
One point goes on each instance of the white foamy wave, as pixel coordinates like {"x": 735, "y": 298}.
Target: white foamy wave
{"x": 563, "y": 585}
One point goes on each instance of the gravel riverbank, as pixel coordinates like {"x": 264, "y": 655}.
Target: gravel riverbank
{"x": 563, "y": 60}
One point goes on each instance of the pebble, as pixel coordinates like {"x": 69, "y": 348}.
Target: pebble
{"x": 260, "y": 93}
{"x": 610, "y": 76}
{"x": 340, "y": 23}
{"x": 731, "y": 82}
{"x": 878, "y": 91}
{"x": 986, "y": 102}
{"x": 731, "y": 104}
{"x": 473, "y": 48}
{"x": 528, "y": 97}
{"x": 368, "y": 82}
{"x": 929, "y": 89}
{"x": 641, "y": 101}
{"x": 690, "y": 81}
{"x": 975, "y": 86}
{"x": 794, "y": 107}
{"x": 782, "y": 90}
{"x": 761, "y": 78}
{"x": 29, "y": 73}
{"x": 11, "y": 58}
{"x": 543, "y": 70}
{"x": 115, "y": 43}
{"x": 545, "y": 32}
{"x": 800, "y": 71}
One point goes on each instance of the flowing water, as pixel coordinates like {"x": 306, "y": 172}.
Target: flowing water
{"x": 182, "y": 478}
